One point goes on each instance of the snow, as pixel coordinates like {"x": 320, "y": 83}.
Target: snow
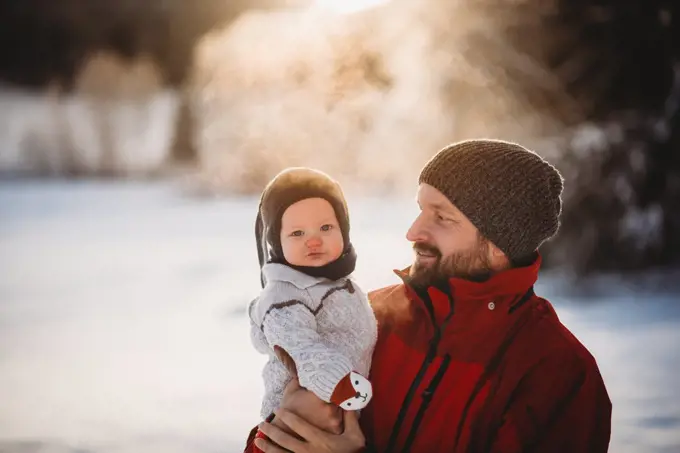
{"x": 122, "y": 324}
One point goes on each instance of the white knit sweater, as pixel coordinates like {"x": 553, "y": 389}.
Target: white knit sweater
{"x": 327, "y": 327}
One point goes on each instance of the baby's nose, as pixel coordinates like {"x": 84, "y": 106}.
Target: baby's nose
{"x": 314, "y": 241}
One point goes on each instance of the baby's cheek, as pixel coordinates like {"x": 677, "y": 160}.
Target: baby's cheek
{"x": 290, "y": 250}
{"x": 336, "y": 243}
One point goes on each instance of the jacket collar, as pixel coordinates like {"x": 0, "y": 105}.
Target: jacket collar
{"x": 503, "y": 289}
{"x": 280, "y": 272}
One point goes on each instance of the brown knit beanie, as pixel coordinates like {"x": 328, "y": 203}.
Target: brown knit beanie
{"x": 509, "y": 193}
{"x": 287, "y": 188}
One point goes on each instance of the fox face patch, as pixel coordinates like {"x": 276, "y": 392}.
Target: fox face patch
{"x": 353, "y": 392}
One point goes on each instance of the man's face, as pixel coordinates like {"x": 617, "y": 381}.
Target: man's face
{"x": 447, "y": 244}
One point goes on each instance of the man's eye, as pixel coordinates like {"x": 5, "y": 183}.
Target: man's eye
{"x": 327, "y": 227}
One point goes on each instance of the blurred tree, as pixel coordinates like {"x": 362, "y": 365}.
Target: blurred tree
{"x": 47, "y": 41}
{"x": 43, "y": 40}
{"x": 620, "y": 62}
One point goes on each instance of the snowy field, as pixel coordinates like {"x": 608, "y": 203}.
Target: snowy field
{"x": 122, "y": 326}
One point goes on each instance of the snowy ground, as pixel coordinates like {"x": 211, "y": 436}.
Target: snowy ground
{"x": 122, "y": 326}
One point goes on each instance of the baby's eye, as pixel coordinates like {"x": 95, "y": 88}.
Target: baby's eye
{"x": 327, "y": 227}
{"x": 297, "y": 233}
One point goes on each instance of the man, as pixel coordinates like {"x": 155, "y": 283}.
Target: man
{"x": 468, "y": 358}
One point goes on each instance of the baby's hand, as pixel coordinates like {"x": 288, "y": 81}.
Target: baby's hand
{"x": 353, "y": 392}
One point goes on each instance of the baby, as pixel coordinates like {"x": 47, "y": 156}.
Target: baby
{"x": 311, "y": 318}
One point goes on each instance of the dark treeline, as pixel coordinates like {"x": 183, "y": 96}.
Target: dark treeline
{"x": 46, "y": 40}
{"x": 621, "y": 61}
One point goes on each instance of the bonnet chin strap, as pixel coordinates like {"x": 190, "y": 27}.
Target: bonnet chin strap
{"x": 261, "y": 242}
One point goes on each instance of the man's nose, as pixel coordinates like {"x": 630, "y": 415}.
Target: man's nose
{"x": 417, "y": 232}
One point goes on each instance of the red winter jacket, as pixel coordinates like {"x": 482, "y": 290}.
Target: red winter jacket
{"x": 490, "y": 369}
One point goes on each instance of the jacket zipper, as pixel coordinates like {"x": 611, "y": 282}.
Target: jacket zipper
{"x": 431, "y": 354}
{"x": 427, "y": 399}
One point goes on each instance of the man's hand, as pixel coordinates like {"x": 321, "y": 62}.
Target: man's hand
{"x": 310, "y": 407}
{"x": 311, "y": 439}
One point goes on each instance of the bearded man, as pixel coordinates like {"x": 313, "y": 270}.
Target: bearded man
{"x": 469, "y": 358}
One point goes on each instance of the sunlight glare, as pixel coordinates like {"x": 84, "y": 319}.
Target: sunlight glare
{"x": 347, "y": 6}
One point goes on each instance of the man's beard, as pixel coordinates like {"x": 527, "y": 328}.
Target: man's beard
{"x": 472, "y": 264}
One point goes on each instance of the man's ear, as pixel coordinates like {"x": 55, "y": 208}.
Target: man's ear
{"x": 497, "y": 257}
{"x": 496, "y": 252}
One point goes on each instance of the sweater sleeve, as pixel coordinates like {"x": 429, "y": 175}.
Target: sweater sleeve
{"x": 561, "y": 406}
{"x": 292, "y": 327}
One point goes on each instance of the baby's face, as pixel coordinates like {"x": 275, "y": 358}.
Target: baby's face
{"x": 310, "y": 233}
